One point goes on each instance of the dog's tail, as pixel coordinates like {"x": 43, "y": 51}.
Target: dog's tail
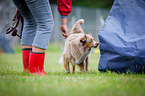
{"x": 77, "y": 27}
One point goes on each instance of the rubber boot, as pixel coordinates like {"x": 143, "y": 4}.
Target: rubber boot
{"x": 36, "y": 63}
{"x": 25, "y": 57}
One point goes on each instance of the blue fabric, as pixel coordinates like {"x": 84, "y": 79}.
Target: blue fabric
{"x": 38, "y": 22}
{"x": 63, "y": 16}
{"x": 122, "y": 38}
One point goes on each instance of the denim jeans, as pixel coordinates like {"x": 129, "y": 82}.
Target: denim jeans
{"x": 38, "y": 22}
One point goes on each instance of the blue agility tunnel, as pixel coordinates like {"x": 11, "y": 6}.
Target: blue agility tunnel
{"x": 122, "y": 38}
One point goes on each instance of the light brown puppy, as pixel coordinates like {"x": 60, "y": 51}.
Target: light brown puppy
{"x": 77, "y": 48}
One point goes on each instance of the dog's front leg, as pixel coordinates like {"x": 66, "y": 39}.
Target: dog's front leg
{"x": 73, "y": 68}
{"x": 81, "y": 66}
{"x": 85, "y": 66}
{"x": 83, "y": 57}
{"x": 87, "y": 63}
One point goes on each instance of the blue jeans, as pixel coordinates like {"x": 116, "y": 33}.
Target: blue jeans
{"x": 38, "y": 22}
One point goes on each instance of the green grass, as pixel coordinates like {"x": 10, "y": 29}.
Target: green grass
{"x": 15, "y": 83}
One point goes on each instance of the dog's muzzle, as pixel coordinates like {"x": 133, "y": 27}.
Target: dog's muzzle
{"x": 95, "y": 45}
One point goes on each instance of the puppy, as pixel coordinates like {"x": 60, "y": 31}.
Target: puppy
{"x": 77, "y": 48}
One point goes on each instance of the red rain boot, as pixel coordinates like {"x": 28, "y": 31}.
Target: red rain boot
{"x": 36, "y": 63}
{"x": 25, "y": 56}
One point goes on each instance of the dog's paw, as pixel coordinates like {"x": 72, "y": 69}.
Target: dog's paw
{"x": 86, "y": 71}
{"x": 67, "y": 72}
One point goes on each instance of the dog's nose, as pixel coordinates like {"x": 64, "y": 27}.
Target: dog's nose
{"x": 96, "y": 44}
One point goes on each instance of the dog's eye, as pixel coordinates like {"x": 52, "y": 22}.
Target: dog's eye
{"x": 90, "y": 40}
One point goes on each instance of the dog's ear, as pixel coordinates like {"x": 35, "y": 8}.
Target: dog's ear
{"x": 83, "y": 39}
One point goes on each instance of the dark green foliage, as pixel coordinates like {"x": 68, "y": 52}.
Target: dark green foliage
{"x": 90, "y": 3}
{"x": 93, "y": 3}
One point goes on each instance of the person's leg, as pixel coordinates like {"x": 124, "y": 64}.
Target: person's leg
{"x": 29, "y": 31}
{"x": 42, "y": 13}
{"x": 25, "y": 56}
{"x": 30, "y": 25}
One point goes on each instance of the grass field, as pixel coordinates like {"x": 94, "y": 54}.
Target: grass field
{"x": 15, "y": 83}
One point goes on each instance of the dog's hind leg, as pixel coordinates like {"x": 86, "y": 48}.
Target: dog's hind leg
{"x": 66, "y": 65}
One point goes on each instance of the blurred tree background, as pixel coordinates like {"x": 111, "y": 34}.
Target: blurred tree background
{"x": 98, "y": 11}
{"x": 105, "y": 4}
